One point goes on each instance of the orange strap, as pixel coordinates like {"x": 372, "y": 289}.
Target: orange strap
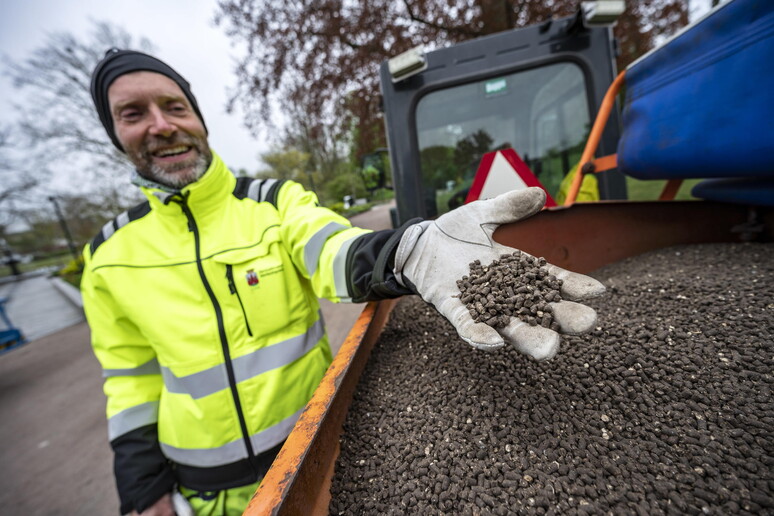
{"x": 605, "y": 163}
{"x": 670, "y": 189}
{"x": 596, "y": 134}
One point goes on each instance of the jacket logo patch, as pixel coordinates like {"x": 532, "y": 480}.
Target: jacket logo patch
{"x": 252, "y": 278}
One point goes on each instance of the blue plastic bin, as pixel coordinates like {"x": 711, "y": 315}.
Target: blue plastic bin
{"x": 702, "y": 105}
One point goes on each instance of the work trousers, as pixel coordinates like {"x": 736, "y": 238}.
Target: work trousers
{"x": 228, "y": 502}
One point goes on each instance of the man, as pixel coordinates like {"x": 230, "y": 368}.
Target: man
{"x": 203, "y": 300}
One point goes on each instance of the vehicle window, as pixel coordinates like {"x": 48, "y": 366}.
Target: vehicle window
{"x": 541, "y": 113}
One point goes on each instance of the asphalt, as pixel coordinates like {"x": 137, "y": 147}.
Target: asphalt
{"x": 40, "y": 304}
{"x": 54, "y": 453}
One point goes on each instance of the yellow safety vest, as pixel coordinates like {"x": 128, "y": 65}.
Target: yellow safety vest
{"x": 204, "y": 315}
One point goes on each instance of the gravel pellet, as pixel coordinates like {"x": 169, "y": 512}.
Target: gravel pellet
{"x": 664, "y": 408}
{"x": 515, "y": 286}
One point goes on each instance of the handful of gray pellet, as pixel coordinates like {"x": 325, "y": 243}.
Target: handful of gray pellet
{"x": 517, "y": 285}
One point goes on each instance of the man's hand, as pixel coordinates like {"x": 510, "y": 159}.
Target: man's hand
{"x": 433, "y": 255}
{"x": 162, "y": 507}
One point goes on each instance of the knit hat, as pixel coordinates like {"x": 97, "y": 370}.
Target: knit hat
{"x": 119, "y": 62}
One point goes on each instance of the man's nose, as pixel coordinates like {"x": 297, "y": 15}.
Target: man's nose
{"x": 160, "y": 125}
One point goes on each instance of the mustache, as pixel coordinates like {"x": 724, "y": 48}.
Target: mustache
{"x": 157, "y": 142}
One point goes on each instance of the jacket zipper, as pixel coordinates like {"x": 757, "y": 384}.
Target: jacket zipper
{"x": 233, "y": 289}
{"x": 221, "y": 330}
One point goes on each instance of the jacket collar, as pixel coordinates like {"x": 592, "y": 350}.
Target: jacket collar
{"x": 205, "y": 194}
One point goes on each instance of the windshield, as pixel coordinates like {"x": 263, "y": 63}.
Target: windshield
{"x": 541, "y": 113}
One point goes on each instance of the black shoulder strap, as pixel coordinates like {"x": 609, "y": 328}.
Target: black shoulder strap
{"x": 259, "y": 190}
{"x": 117, "y": 223}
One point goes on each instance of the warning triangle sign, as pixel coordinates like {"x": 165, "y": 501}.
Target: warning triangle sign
{"x": 502, "y": 171}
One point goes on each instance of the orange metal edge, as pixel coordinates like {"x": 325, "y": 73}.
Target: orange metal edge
{"x": 278, "y": 482}
{"x": 587, "y": 236}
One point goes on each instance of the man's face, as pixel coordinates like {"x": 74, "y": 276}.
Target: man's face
{"x": 158, "y": 128}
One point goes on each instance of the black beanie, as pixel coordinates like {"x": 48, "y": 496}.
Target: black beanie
{"x": 119, "y": 62}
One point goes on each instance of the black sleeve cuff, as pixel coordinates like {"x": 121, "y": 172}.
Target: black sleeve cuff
{"x": 143, "y": 474}
{"x": 370, "y": 263}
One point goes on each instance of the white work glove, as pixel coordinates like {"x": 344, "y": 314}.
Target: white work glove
{"x": 433, "y": 255}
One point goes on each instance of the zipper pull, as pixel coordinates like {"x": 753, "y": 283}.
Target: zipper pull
{"x": 188, "y": 216}
{"x": 232, "y": 287}
{"x": 230, "y": 278}
{"x": 182, "y": 200}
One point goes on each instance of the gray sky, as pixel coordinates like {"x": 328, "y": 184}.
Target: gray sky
{"x": 183, "y": 34}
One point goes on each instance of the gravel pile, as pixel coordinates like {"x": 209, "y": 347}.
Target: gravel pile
{"x": 493, "y": 294}
{"x": 664, "y": 409}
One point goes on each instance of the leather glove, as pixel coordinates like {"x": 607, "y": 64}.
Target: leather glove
{"x": 433, "y": 255}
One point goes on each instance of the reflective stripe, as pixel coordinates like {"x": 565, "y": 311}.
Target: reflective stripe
{"x": 133, "y": 418}
{"x": 254, "y": 189}
{"x": 122, "y": 220}
{"x": 112, "y": 226}
{"x": 315, "y": 244}
{"x": 274, "y": 435}
{"x": 267, "y": 184}
{"x": 107, "y": 230}
{"x": 233, "y": 451}
{"x": 260, "y": 186}
{"x": 277, "y": 355}
{"x": 197, "y": 385}
{"x": 215, "y": 379}
{"x": 340, "y": 271}
{"x": 149, "y": 367}
{"x": 206, "y": 457}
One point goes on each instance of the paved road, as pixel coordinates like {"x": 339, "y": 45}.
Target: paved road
{"x": 54, "y": 455}
{"x": 39, "y": 305}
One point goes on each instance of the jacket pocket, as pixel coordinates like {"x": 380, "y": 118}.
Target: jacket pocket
{"x": 257, "y": 280}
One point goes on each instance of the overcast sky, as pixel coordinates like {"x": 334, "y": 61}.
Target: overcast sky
{"x": 184, "y": 35}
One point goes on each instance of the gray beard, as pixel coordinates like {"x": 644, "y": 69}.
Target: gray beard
{"x": 176, "y": 180}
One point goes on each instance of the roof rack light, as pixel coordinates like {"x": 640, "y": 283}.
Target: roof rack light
{"x": 407, "y": 64}
{"x": 599, "y": 13}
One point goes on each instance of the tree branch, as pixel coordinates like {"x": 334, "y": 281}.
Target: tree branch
{"x": 340, "y": 37}
{"x": 453, "y": 30}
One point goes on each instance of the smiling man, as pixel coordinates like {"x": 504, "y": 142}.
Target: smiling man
{"x": 158, "y": 128}
{"x": 203, "y": 300}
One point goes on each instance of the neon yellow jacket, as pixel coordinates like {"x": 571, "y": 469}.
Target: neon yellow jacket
{"x": 204, "y": 315}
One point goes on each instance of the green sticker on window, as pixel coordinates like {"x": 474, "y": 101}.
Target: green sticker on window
{"x": 495, "y": 86}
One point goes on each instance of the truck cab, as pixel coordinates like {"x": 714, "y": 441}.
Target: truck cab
{"x": 535, "y": 89}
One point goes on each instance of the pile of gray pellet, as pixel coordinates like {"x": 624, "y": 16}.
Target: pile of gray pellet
{"x": 664, "y": 409}
{"x": 493, "y": 297}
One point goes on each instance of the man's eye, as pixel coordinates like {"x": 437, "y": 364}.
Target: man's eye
{"x": 177, "y": 108}
{"x": 130, "y": 114}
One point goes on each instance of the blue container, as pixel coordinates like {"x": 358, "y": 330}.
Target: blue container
{"x": 702, "y": 106}
{"x": 746, "y": 190}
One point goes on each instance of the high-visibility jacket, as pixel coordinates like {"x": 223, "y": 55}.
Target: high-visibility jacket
{"x": 204, "y": 315}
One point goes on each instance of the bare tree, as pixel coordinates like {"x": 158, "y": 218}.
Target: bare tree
{"x": 644, "y": 22}
{"x": 326, "y": 146}
{"x": 322, "y": 56}
{"x": 14, "y": 183}
{"x": 57, "y": 124}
